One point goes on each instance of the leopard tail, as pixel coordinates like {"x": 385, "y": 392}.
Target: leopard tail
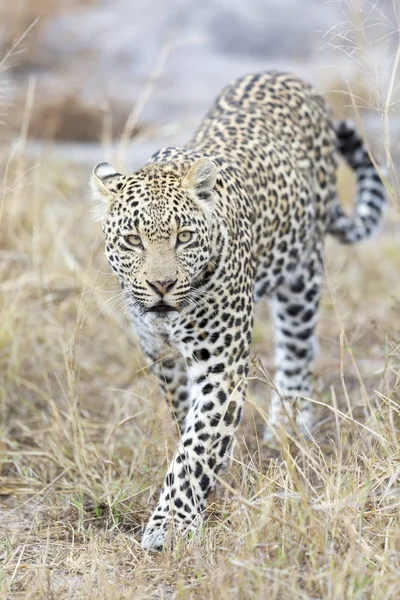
{"x": 370, "y": 190}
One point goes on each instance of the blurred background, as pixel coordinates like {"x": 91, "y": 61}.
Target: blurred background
{"x": 90, "y": 70}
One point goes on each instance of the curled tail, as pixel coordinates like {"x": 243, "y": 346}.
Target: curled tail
{"x": 370, "y": 196}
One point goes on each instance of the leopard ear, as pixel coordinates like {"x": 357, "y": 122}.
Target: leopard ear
{"x": 201, "y": 177}
{"x": 105, "y": 182}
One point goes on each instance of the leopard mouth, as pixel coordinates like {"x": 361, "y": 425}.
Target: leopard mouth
{"x": 161, "y": 308}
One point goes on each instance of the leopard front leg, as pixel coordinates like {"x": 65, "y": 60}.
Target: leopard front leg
{"x": 175, "y": 385}
{"x": 168, "y": 365}
{"x": 217, "y": 397}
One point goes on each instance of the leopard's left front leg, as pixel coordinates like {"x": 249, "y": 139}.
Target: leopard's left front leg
{"x": 218, "y": 370}
{"x": 175, "y": 384}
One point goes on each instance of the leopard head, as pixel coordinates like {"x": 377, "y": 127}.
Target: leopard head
{"x": 159, "y": 230}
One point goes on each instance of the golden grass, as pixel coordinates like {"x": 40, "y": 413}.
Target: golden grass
{"x": 85, "y": 436}
{"x": 66, "y": 117}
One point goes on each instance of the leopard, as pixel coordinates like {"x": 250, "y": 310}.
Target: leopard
{"x": 201, "y": 233}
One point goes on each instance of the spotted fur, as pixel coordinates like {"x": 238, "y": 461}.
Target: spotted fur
{"x": 200, "y": 233}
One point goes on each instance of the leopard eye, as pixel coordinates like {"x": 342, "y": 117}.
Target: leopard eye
{"x": 184, "y": 237}
{"x": 132, "y": 240}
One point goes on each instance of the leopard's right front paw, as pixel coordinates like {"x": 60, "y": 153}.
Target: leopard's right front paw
{"x": 156, "y": 536}
{"x": 162, "y": 533}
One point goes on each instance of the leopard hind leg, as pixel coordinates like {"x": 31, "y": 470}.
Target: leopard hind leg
{"x": 294, "y": 308}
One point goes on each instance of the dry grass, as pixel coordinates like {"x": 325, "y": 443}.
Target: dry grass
{"x": 66, "y": 117}
{"x": 85, "y": 437}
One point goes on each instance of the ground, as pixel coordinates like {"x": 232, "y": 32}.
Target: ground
{"x": 83, "y": 452}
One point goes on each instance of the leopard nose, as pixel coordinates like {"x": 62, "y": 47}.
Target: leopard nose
{"x": 162, "y": 287}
